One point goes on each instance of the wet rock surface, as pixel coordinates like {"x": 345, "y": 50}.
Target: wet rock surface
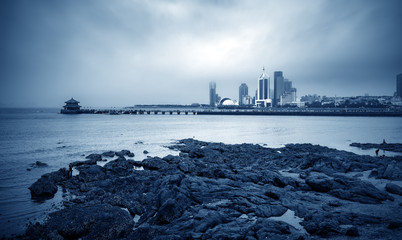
{"x": 219, "y": 191}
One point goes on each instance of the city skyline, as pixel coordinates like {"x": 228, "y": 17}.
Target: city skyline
{"x": 124, "y": 53}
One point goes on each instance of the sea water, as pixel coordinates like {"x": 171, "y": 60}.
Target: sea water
{"x": 30, "y": 135}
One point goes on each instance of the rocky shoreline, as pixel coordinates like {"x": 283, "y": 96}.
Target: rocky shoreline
{"x": 219, "y": 191}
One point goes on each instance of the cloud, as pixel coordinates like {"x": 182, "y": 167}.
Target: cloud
{"x": 133, "y": 52}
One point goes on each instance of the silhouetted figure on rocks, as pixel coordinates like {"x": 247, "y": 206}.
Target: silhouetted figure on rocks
{"x": 384, "y": 142}
{"x": 70, "y": 171}
{"x": 376, "y": 152}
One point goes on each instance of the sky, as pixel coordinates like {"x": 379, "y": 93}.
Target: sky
{"x": 127, "y": 52}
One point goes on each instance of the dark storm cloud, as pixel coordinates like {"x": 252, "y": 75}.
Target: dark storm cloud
{"x": 119, "y": 53}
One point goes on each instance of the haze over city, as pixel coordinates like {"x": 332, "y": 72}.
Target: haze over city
{"x": 121, "y": 53}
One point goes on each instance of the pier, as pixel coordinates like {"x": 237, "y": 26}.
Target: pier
{"x": 382, "y": 112}
{"x": 139, "y": 112}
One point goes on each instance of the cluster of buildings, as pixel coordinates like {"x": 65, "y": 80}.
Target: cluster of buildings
{"x": 357, "y": 101}
{"x": 283, "y": 94}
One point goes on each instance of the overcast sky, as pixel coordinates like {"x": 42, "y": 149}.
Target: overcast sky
{"x": 127, "y": 52}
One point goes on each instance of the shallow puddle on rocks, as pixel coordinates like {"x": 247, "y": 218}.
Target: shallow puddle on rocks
{"x": 218, "y": 203}
{"x": 138, "y": 168}
{"x": 290, "y": 218}
{"x": 295, "y": 176}
{"x": 75, "y": 172}
{"x": 136, "y": 218}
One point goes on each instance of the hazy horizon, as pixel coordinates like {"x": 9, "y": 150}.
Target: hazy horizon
{"x": 124, "y": 53}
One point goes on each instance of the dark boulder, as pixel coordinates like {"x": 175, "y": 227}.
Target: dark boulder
{"x": 395, "y": 224}
{"x": 393, "y": 171}
{"x": 123, "y": 153}
{"x": 154, "y": 163}
{"x": 92, "y": 160}
{"x": 119, "y": 166}
{"x": 196, "y": 153}
{"x": 168, "y": 212}
{"x": 343, "y": 187}
{"x": 40, "y": 164}
{"x": 393, "y": 188}
{"x": 108, "y": 154}
{"x": 44, "y": 187}
{"x": 319, "y": 182}
{"x": 91, "y": 173}
{"x": 172, "y": 159}
{"x": 352, "y": 232}
{"x": 94, "y": 156}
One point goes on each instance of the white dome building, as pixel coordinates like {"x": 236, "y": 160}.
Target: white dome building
{"x": 228, "y": 103}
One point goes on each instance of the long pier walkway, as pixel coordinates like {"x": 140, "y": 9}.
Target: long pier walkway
{"x": 383, "y": 112}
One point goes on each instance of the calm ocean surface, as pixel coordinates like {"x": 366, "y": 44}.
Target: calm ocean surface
{"x": 30, "y": 135}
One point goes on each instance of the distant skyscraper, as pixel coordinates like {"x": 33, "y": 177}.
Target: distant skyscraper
{"x": 278, "y": 87}
{"x": 287, "y": 85}
{"x": 243, "y": 93}
{"x": 263, "y": 90}
{"x": 399, "y": 85}
{"x": 212, "y": 94}
{"x": 263, "y": 86}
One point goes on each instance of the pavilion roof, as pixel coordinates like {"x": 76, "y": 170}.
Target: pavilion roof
{"x": 72, "y": 101}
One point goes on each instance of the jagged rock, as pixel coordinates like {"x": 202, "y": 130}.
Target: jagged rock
{"x": 346, "y": 188}
{"x": 393, "y": 171}
{"x": 218, "y": 191}
{"x": 319, "y": 182}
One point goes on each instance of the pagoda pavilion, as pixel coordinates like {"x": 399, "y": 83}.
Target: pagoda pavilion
{"x": 71, "y": 107}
